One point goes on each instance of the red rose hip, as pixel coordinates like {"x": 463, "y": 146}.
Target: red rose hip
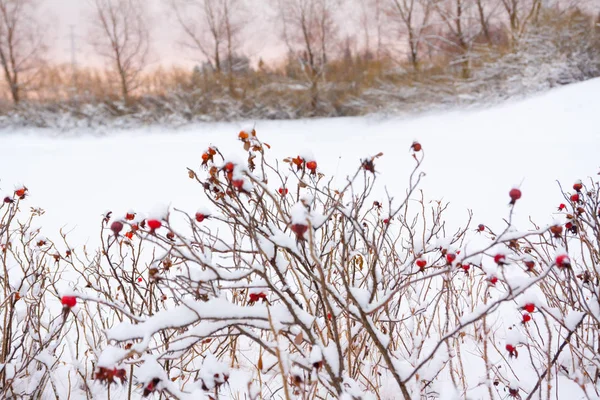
{"x": 200, "y": 217}
{"x": 563, "y": 261}
{"x": 299, "y": 230}
{"x": 529, "y": 307}
{"x": 154, "y": 224}
{"x": 530, "y": 265}
{"x": 500, "y": 259}
{"x": 515, "y": 194}
{"x": 116, "y": 227}
{"x": 68, "y": 301}
{"x": 512, "y": 351}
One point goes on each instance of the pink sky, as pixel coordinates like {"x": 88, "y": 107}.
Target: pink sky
{"x": 60, "y": 15}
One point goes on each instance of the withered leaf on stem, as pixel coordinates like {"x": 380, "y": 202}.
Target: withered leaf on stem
{"x": 358, "y": 262}
{"x": 299, "y": 339}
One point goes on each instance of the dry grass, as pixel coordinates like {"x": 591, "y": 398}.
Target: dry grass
{"x": 352, "y": 84}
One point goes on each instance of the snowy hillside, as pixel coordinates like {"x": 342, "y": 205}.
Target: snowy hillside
{"x": 277, "y": 283}
{"x": 471, "y": 157}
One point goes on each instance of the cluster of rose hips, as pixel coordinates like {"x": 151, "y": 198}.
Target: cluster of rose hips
{"x": 208, "y": 155}
{"x": 237, "y": 183}
{"x": 301, "y": 164}
{"x": 368, "y": 164}
{"x": 152, "y": 223}
{"x": 529, "y": 309}
{"x": 110, "y": 375}
{"x": 213, "y": 184}
{"x": 254, "y": 297}
{"x": 19, "y": 193}
{"x": 576, "y": 200}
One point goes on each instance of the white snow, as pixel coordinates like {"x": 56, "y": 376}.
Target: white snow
{"x": 111, "y": 356}
{"x": 572, "y": 319}
{"x": 472, "y": 160}
{"x": 299, "y": 214}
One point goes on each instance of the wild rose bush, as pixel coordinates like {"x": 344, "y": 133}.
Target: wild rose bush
{"x": 284, "y": 285}
{"x": 31, "y": 335}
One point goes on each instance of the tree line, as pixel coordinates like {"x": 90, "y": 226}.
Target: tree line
{"x": 390, "y": 42}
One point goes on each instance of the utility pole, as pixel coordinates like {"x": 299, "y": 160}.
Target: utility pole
{"x": 73, "y": 60}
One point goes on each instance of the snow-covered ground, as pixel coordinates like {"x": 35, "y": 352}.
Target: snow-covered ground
{"x": 472, "y": 158}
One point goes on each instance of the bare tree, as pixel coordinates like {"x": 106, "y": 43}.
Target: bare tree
{"x": 22, "y": 44}
{"x": 120, "y": 34}
{"x": 309, "y": 31}
{"x": 412, "y": 18}
{"x": 484, "y": 15}
{"x": 370, "y": 20}
{"x": 462, "y": 28}
{"x": 520, "y": 13}
{"x": 212, "y": 27}
{"x": 379, "y": 22}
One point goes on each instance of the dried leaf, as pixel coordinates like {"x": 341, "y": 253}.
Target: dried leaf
{"x": 259, "y": 365}
{"x": 298, "y": 339}
{"x": 359, "y": 261}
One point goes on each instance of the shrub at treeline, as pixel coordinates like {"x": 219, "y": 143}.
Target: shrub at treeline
{"x": 550, "y": 47}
